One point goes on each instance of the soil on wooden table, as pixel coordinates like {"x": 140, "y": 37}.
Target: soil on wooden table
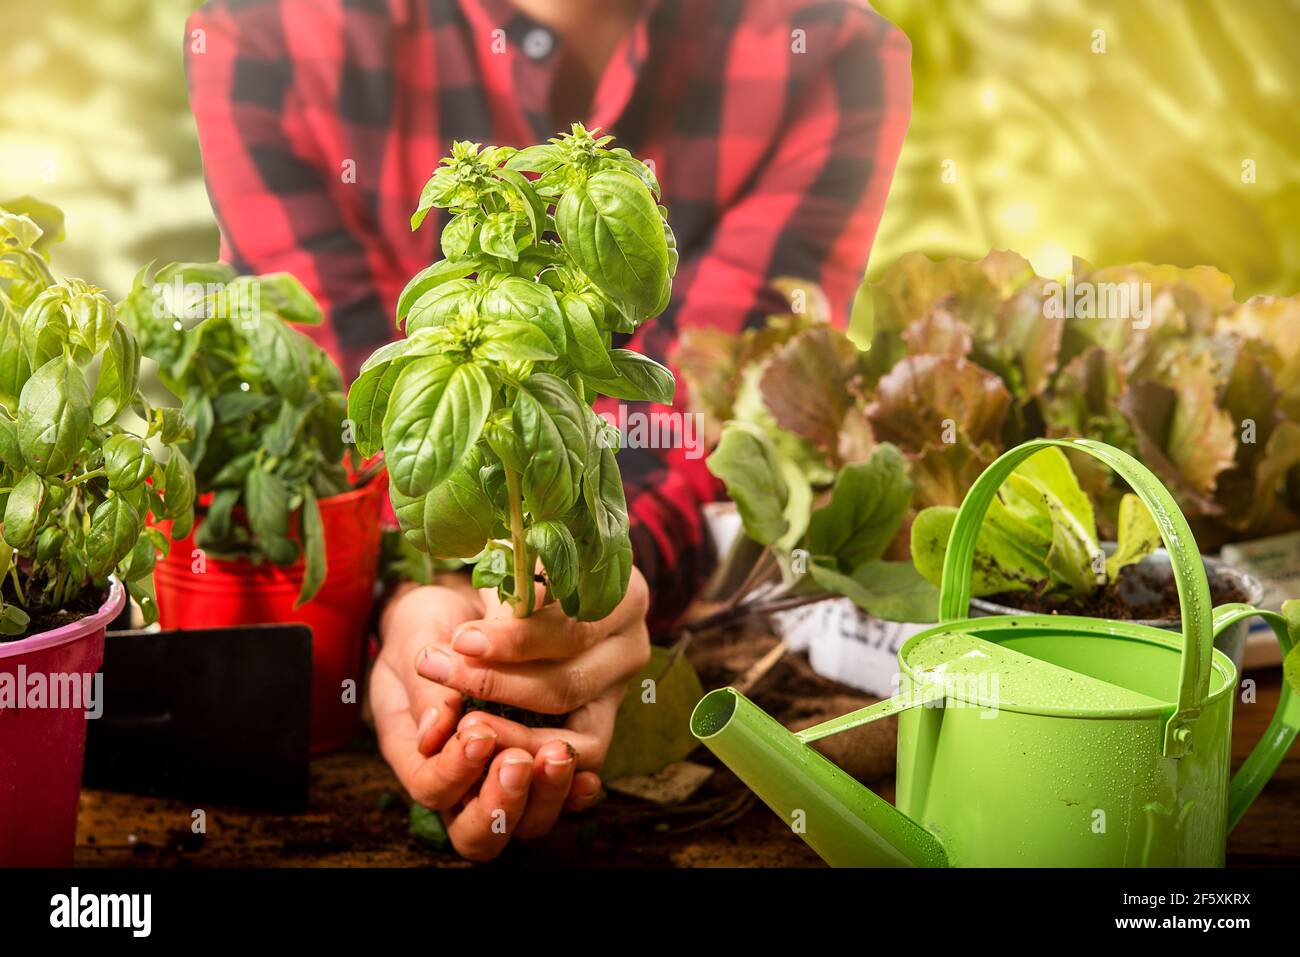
{"x": 87, "y": 602}
{"x": 1132, "y": 598}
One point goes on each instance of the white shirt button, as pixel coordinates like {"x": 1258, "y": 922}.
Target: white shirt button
{"x": 538, "y": 43}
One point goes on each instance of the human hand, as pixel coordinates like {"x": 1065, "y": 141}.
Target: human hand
{"x": 547, "y": 663}
{"x": 524, "y": 789}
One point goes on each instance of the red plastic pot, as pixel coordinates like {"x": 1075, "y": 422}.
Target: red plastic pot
{"x": 42, "y": 748}
{"x": 219, "y": 593}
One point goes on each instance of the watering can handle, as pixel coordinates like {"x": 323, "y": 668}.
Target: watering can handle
{"x": 1184, "y": 557}
{"x": 1281, "y": 732}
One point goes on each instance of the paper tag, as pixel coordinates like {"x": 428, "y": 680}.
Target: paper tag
{"x": 846, "y": 644}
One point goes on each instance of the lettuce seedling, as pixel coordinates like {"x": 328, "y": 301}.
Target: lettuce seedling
{"x": 266, "y": 403}
{"x": 1039, "y": 535}
{"x": 77, "y": 488}
{"x": 483, "y": 410}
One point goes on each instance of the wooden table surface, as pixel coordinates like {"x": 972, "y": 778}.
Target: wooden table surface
{"x": 358, "y": 816}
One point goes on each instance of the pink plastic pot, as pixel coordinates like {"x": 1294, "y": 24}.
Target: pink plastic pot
{"x": 219, "y": 593}
{"x": 41, "y": 748}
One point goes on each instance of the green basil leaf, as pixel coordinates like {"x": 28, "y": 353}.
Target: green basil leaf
{"x": 23, "y": 510}
{"x": 284, "y": 295}
{"x": 280, "y": 351}
{"x": 170, "y": 425}
{"x": 368, "y": 403}
{"x": 588, "y": 350}
{"x": 46, "y": 327}
{"x": 441, "y": 305}
{"x": 603, "y": 573}
{"x": 512, "y": 297}
{"x": 10, "y": 452}
{"x": 497, "y": 237}
{"x": 142, "y": 590}
{"x": 602, "y": 490}
{"x": 410, "y": 516}
{"x": 127, "y": 461}
{"x": 179, "y": 493}
{"x": 637, "y": 379}
{"x": 612, "y": 229}
{"x": 532, "y": 204}
{"x": 14, "y": 368}
{"x": 266, "y": 499}
{"x": 313, "y": 544}
{"x": 457, "y": 518}
{"x": 217, "y": 526}
{"x": 458, "y": 235}
{"x": 553, "y": 437}
{"x": 509, "y": 340}
{"x": 239, "y": 406}
{"x": 93, "y": 322}
{"x": 435, "y": 415}
{"x": 53, "y": 417}
{"x": 492, "y": 568}
{"x": 119, "y": 376}
{"x": 554, "y": 543}
{"x": 746, "y": 462}
{"x": 430, "y": 278}
{"x": 139, "y": 561}
{"x": 115, "y": 526}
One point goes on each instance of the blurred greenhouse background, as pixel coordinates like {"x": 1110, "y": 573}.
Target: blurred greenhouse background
{"x": 1116, "y": 130}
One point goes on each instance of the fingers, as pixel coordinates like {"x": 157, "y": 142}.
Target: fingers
{"x": 483, "y": 827}
{"x": 550, "y": 687}
{"x": 404, "y": 727}
{"x": 588, "y": 730}
{"x": 548, "y": 632}
{"x": 439, "y": 782}
{"x": 553, "y": 770}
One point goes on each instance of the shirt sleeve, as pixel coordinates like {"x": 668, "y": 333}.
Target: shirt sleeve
{"x": 277, "y": 205}
{"x": 813, "y": 214}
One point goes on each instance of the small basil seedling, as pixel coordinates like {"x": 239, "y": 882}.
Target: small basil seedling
{"x": 484, "y": 410}
{"x": 78, "y": 487}
{"x": 265, "y": 401}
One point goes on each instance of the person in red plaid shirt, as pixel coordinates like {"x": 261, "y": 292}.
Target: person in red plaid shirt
{"x": 773, "y": 127}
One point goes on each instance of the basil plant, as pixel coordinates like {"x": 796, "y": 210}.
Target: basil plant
{"x": 78, "y": 487}
{"x": 484, "y": 410}
{"x": 266, "y": 403}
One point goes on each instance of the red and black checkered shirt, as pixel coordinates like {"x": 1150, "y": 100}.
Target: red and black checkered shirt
{"x": 773, "y": 126}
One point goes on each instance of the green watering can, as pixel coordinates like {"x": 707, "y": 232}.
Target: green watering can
{"x": 1032, "y": 740}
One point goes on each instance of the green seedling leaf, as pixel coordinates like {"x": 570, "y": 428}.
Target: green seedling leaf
{"x": 554, "y": 544}
{"x": 455, "y": 518}
{"x": 894, "y": 591}
{"x": 746, "y": 462}
{"x": 127, "y": 462}
{"x": 313, "y": 545}
{"x": 638, "y": 379}
{"x": 427, "y": 828}
{"x": 115, "y": 527}
{"x": 22, "y": 511}
{"x": 435, "y": 415}
{"x": 613, "y": 231}
{"x": 53, "y": 417}
{"x": 866, "y": 510}
{"x": 1137, "y": 536}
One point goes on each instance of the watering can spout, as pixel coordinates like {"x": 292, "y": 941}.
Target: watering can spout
{"x": 841, "y": 820}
